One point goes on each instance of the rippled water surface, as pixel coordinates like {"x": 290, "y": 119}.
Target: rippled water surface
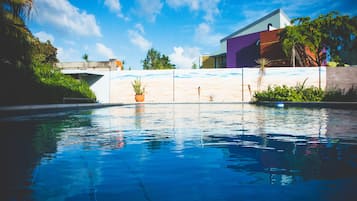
{"x": 180, "y": 152}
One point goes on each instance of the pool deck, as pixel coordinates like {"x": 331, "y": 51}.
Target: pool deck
{"x": 34, "y": 109}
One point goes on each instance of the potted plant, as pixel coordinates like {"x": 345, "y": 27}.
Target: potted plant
{"x": 139, "y": 90}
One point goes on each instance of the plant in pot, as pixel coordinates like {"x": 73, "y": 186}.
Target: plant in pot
{"x": 139, "y": 90}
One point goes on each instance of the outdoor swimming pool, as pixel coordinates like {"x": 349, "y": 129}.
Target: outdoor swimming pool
{"x": 180, "y": 152}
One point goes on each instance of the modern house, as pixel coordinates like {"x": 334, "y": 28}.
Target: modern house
{"x": 256, "y": 40}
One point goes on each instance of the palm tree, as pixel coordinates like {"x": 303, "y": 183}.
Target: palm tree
{"x": 18, "y": 8}
{"x": 263, "y": 62}
{"x": 13, "y": 32}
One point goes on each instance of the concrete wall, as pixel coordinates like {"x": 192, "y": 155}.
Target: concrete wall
{"x": 216, "y": 85}
{"x": 100, "y": 85}
{"x": 93, "y": 65}
{"x": 342, "y": 78}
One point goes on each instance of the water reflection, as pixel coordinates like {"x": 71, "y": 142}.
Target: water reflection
{"x": 24, "y": 142}
{"x": 143, "y": 148}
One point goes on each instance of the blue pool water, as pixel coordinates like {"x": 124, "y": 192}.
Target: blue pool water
{"x": 180, "y": 152}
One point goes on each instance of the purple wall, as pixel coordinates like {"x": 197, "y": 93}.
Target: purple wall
{"x": 242, "y": 51}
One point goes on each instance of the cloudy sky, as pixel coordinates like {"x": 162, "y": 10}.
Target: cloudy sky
{"x": 181, "y": 29}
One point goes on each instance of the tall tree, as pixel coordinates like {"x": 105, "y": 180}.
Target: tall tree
{"x": 155, "y": 61}
{"x": 331, "y": 32}
{"x": 14, "y": 40}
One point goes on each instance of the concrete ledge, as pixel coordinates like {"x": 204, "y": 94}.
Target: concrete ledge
{"x": 35, "y": 109}
{"x": 334, "y": 105}
{"x": 6, "y": 111}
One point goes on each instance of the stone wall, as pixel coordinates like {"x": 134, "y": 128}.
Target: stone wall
{"x": 342, "y": 78}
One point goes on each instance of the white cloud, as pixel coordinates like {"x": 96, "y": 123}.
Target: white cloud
{"x": 140, "y": 28}
{"x": 185, "y": 57}
{"x": 115, "y": 6}
{"x": 43, "y": 36}
{"x": 67, "y": 55}
{"x": 69, "y": 42}
{"x": 149, "y": 8}
{"x": 209, "y": 7}
{"x": 136, "y": 37}
{"x": 64, "y": 16}
{"x": 192, "y": 4}
{"x": 105, "y": 51}
{"x": 204, "y": 35}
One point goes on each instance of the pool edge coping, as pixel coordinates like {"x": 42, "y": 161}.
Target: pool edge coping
{"x": 333, "y": 105}
{"x": 24, "y": 109}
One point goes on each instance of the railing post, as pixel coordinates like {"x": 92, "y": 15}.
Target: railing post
{"x": 242, "y": 84}
{"x": 173, "y": 85}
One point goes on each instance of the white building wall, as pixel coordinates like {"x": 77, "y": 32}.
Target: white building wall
{"x": 101, "y": 86}
{"x": 262, "y": 26}
{"x": 223, "y": 47}
{"x": 284, "y": 22}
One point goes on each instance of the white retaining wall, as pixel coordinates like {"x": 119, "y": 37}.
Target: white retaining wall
{"x": 216, "y": 85}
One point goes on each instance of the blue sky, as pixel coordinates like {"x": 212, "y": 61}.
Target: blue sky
{"x": 181, "y": 29}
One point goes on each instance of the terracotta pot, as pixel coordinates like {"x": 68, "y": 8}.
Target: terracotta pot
{"x": 139, "y": 98}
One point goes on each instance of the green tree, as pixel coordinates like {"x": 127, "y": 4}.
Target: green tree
{"x": 155, "y": 61}
{"x": 14, "y": 40}
{"x": 194, "y": 66}
{"x": 27, "y": 74}
{"x": 43, "y": 53}
{"x": 85, "y": 57}
{"x": 331, "y": 31}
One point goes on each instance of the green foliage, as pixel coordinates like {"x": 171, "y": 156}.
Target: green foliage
{"x": 15, "y": 43}
{"x": 43, "y": 53}
{"x": 27, "y": 73}
{"x": 341, "y": 95}
{"x": 155, "y": 61}
{"x": 57, "y": 85}
{"x": 333, "y": 31}
{"x": 332, "y": 64}
{"x": 85, "y": 57}
{"x": 137, "y": 86}
{"x": 39, "y": 85}
{"x": 17, "y": 8}
{"x": 299, "y": 93}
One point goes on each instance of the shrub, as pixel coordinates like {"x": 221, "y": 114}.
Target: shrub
{"x": 341, "y": 95}
{"x": 39, "y": 85}
{"x": 57, "y": 85}
{"x": 299, "y": 93}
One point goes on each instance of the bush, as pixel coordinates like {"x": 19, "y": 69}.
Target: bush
{"x": 41, "y": 84}
{"x": 341, "y": 95}
{"x": 57, "y": 85}
{"x": 299, "y": 93}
